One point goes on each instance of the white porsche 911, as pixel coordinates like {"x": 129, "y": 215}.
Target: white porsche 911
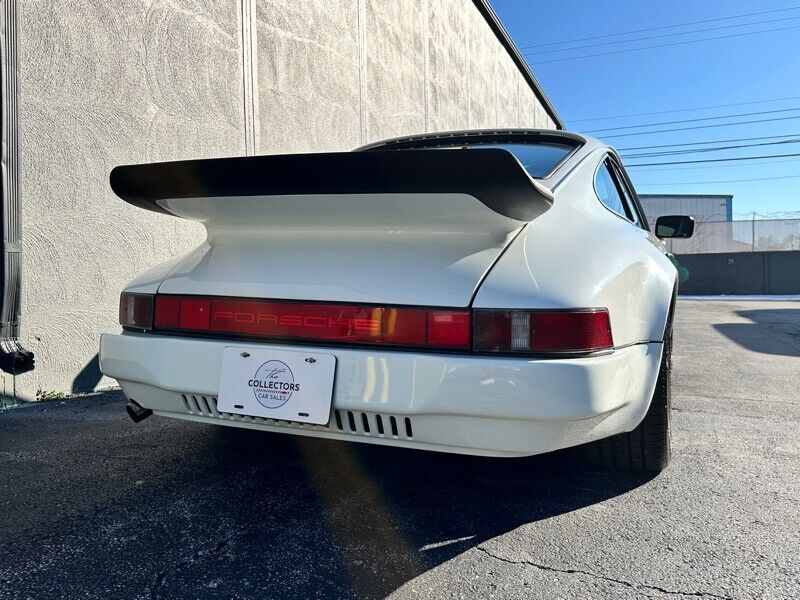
{"x": 484, "y": 292}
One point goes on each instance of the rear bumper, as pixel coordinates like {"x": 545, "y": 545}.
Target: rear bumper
{"x": 494, "y": 406}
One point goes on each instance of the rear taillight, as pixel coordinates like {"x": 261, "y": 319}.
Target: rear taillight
{"x": 541, "y": 331}
{"x": 136, "y": 310}
{"x": 396, "y": 326}
{"x": 495, "y": 331}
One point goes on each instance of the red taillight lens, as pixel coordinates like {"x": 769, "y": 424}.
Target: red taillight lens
{"x": 556, "y": 330}
{"x": 416, "y": 327}
{"x": 448, "y": 328}
{"x": 542, "y": 331}
{"x": 405, "y": 326}
{"x": 136, "y": 310}
{"x": 168, "y": 312}
{"x": 506, "y": 331}
{"x": 335, "y": 322}
{"x": 195, "y": 314}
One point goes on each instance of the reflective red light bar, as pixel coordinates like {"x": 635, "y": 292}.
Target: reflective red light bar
{"x": 396, "y": 326}
{"x": 538, "y": 331}
{"x": 496, "y": 331}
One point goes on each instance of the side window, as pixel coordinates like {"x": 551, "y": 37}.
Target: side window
{"x": 609, "y": 193}
{"x": 627, "y": 194}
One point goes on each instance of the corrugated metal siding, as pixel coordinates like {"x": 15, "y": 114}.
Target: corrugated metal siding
{"x": 703, "y": 207}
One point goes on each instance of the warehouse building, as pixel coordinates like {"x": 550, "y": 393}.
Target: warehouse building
{"x": 703, "y": 207}
{"x": 90, "y": 85}
{"x": 715, "y": 230}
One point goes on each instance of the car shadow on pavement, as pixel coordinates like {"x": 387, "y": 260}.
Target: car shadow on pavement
{"x": 367, "y": 519}
{"x": 772, "y": 331}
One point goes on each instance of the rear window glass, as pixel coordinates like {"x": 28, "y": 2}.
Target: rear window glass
{"x": 539, "y": 157}
{"x": 539, "y": 160}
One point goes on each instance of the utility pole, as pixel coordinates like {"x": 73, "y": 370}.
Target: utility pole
{"x": 753, "y": 232}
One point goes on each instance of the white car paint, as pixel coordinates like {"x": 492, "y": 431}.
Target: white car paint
{"x": 579, "y": 254}
{"x": 441, "y": 250}
{"x": 415, "y": 249}
{"x": 467, "y": 404}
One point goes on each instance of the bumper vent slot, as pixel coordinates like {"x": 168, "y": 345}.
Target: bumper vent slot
{"x": 200, "y": 405}
{"x": 371, "y": 424}
{"x": 351, "y": 422}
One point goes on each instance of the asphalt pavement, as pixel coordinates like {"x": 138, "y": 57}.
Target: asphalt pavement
{"x": 93, "y": 506}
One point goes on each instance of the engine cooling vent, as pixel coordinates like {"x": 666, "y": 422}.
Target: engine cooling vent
{"x": 200, "y": 405}
{"x": 372, "y": 424}
{"x": 345, "y": 421}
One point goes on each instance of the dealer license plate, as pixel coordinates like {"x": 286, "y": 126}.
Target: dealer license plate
{"x": 277, "y": 384}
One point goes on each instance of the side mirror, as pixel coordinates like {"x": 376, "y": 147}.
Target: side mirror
{"x": 674, "y": 226}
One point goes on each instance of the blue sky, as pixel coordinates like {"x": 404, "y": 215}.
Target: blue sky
{"x": 744, "y": 69}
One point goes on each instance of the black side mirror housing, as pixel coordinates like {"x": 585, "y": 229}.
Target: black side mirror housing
{"x": 674, "y": 226}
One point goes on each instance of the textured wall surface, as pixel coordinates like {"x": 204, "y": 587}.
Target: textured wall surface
{"x": 107, "y": 83}
{"x": 308, "y": 92}
{"x": 103, "y": 84}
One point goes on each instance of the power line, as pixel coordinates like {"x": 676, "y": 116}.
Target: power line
{"x": 717, "y": 182}
{"x": 714, "y": 149}
{"x": 662, "y": 27}
{"x": 747, "y": 139}
{"x": 708, "y": 39}
{"x": 695, "y": 120}
{"x": 663, "y": 35}
{"x": 710, "y": 160}
{"x": 771, "y": 216}
{"x": 728, "y": 166}
{"x": 618, "y": 135}
{"x": 677, "y": 110}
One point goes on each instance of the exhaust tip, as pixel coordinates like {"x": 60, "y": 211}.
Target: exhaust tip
{"x": 136, "y": 412}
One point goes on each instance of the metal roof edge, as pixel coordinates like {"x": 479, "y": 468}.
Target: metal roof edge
{"x": 678, "y": 195}
{"x": 497, "y": 28}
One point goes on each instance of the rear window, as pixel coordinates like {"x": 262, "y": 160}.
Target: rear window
{"x": 539, "y": 160}
{"x": 539, "y": 153}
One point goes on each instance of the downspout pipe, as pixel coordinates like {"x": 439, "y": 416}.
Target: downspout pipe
{"x": 14, "y": 358}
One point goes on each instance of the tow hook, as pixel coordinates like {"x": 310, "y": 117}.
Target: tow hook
{"x": 137, "y": 413}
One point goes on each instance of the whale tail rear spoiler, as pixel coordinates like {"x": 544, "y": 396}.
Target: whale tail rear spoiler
{"x": 493, "y": 176}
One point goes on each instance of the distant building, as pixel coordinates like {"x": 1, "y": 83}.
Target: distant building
{"x": 715, "y": 231}
{"x": 703, "y": 207}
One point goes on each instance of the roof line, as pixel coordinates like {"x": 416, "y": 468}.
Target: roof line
{"x": 491, "y": 135}
{"x": 505, "y": 39}
{"x": 678, "y": 196}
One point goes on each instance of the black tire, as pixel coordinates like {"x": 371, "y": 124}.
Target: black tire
{"x": 646, "y": 448}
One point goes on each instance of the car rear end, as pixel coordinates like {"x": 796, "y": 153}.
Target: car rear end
{"x": 335, "y": 296}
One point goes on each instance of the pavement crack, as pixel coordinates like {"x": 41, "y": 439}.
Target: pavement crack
{"x": 629, "y": 584}
{"x": 162, "y": 575}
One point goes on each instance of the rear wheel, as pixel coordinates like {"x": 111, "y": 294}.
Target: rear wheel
{"x": 646, "y": 448}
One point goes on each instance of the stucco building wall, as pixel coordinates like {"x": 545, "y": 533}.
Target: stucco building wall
{"x": 107, "y": 83}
